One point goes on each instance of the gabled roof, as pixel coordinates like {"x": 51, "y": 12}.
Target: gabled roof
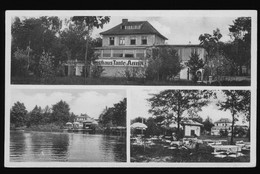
{"x": 146, "y": 28}
{"x": 191, "y": 122}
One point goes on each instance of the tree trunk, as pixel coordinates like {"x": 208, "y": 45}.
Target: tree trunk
{"x": 86, "y": 57}
{"x": 232, "y": 128}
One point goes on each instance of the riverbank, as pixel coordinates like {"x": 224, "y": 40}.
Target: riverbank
{"x": 44, "y": 128}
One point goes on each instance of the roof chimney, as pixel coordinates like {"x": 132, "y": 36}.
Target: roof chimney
{"x": 124, "y": 21}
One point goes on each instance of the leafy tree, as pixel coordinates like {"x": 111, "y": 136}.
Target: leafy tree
{"x": 46, "y": 67}
{"x": 216, "y": 63}
{"x": 234, "y": 102}
{"x": 210, "y": 43}
{"x": 72, "y": 117}
{"x": 106, "y": 117}
{"x": 46, "y": 115}
{"x": 60, "y": 113}
{"x": 119, "y": 113}
{"x": 208, "y": 124}
{"x": 114, "y": 116}
{"x": 19, "y": 63}
{"x": 87, "y": 24}
{"x": 152, "y": 128}
{"x": 172, "y": 103}
{"x": 195, "y": 63}
{"x": 239, "y": 49}
{"x": 18, "y": 114}
{"x": 36, "y": 116}
{"x": 164, "y": 64}
{"x": 37, "y": 35}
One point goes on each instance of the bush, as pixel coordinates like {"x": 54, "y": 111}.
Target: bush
{"x": 96, "y": 71}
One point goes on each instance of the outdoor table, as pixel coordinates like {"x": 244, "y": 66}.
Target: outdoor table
{"x": 228, "y": 148}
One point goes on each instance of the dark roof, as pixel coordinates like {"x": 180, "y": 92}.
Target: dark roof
{"x": 146, "y": 28}
{"x": 223, "y": 120}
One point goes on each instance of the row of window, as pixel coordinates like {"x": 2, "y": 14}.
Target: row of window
{"x": 132, "y": 40}
{"x": 222, "y": 124}
{"x": 214, "y": 128}
{"x": 130, "y": 27}
{"x": 123, "y": 53}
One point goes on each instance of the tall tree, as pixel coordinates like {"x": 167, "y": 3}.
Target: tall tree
{"x": 208, "y": 124}
{"x": 240, "y": 33}
{"x": 172, "y": 103}
{"x": 165, "y": 64}
{"x": 60, "y": 113}
{"x": 119, "y": 113}
{"x": 36, "y": 116}
{"x": 195, "y": 63}
{"x": 18, "y": 114}
{"x": 88, "y": 23}
{"x": 35, "y": 35}
{"x": 235, "y": 101}
{"x": 215, "y": 62}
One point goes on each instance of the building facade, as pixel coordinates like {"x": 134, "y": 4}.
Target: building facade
{"x": 128, "y": 46}
{"x": 191, "y": 128}
{"x": 221, "y": 124}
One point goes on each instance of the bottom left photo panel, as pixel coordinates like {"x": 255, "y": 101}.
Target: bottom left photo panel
{"x": 67, "y": 125}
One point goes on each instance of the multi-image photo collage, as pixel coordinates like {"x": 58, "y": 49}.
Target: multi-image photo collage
{"x": 130, "y": 88}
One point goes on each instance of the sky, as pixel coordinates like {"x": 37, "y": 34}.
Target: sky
{"x": 140, "y": 106}
{"x": 178, "y": 30}
{"x": 91, "y": 102}
{"x": 179, "y": 26}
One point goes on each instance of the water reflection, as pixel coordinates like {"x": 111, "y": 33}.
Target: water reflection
{"x": 39, "y": 146}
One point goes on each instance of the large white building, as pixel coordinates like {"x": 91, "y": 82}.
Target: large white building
{"x": 127, "y": 46}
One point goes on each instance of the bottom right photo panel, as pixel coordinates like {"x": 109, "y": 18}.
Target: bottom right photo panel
{"x": 173, "y": 125}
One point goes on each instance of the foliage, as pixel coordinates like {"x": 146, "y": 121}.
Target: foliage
{"x": 96, "y": 70}
{"x": 165, "y": 64}
{"x": 19, "y": 63}
{"x": 114, "y": 116}
{"x": 18, "y": 114}
{"x": 36, "y": 116}
{"x": 170, "y": 104}
{"x": 207, "y": 124}
{"x": 195, "y": 63}
{"x": 235, "y": 101}
{"x": 223, "y": 133}
{"x": 86, "y": 24}
{"x": 152, "y": 127}
{"x": 37, "y": 35}
{"x": 46, "y": 68}
{"x": 60, "y": 113}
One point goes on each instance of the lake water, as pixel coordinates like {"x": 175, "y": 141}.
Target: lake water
{"x": 71, "y": 147}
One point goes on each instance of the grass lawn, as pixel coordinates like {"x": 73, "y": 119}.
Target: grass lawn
{"x": 76, "y": 80}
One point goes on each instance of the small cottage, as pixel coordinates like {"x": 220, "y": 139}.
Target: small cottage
{"x": 191, "y": 128}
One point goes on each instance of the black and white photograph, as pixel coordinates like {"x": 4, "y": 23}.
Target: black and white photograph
{"x": 131, "y": 50}
{"x": 130, "y": 88}
{"x": 49, "y": 125}
{"x": 190, "y": 126}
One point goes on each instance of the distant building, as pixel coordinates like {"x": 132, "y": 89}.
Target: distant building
{"x": 85, "y": 121}
{"x": 129, "y": 44}
{"x": 221, "y": 124}
{"x": 191, "y": 128}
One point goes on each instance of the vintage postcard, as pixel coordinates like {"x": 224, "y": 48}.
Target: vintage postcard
{"x": 130, "y": 88}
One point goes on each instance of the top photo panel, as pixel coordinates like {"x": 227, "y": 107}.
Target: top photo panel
{"x": 171, "y": 49}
